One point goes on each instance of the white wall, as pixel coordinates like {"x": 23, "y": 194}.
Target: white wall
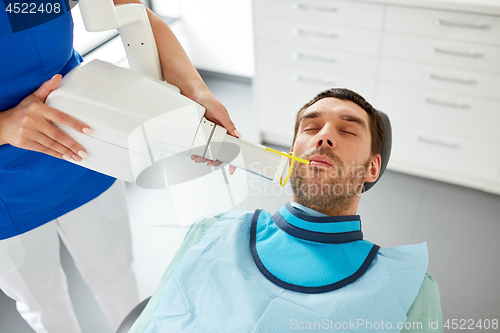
{"x": 217, "y": 34}
{"x": 84, "y": 41}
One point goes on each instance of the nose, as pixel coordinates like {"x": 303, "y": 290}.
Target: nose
{"x": 321, "y": 141}
{"x": 325, "y": 139}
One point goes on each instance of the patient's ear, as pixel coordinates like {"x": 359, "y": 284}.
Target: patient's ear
{"x": 373, "y": 169}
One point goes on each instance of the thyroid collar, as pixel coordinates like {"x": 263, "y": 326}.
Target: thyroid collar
{"x": 309, "y": 254}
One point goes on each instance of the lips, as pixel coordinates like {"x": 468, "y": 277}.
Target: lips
{"x": 321, "y": 161}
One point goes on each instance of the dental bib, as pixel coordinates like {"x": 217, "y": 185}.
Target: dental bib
{"x": 257, "y": 272}
{"x": 309, "y": 254}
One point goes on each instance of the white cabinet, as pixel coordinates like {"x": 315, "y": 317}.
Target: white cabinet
{"x": 446, "y": 23}
{"x": 441, "y": 78}
{"x": 438, "y": 112}
{"x": 434, "y": 71}
{"x": 463, "y": 55}
{"x": 326, "y": 12}
{"x": 305, "y": 47}
{"x": 314, "y": 34}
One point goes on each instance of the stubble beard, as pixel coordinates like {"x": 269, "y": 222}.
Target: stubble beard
{"x": 327, "y": 189}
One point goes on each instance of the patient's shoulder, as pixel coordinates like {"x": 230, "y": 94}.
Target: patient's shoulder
{"x": 427, "y": 307}
{"x": 429, "y": 286}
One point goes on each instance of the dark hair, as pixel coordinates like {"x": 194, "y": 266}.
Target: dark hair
{"x": 376, "y": 125}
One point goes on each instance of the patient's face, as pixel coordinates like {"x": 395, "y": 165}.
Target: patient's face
{"x": 334, "y": 135}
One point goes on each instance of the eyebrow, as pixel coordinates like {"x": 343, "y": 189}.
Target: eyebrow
{"x": 354, "y": 119}
{"x": 344, "y": 116}
{"x": 310, "y": 115}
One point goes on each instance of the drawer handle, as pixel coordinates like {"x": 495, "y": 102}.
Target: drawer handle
{"x": 464, "y": 80}
{"x": 441, "y": 143}
{"x": 470, "y": 54}
{"x": 478, "y": 25}
{"x": 296, "y": 5}
{"x": 296, "y": 31}
{"x": 297, "y": 78}
{"x": 459, "y": 105}
{"x": 296, "y": 55}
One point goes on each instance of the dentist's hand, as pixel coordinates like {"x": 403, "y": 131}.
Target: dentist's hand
{"x": 29, "y": 126}
{"x": 217, "y": 113}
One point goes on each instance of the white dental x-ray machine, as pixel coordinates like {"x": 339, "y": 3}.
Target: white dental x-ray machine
{"x": 136, "y": 117}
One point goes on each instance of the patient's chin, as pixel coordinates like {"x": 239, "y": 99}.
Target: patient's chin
{"x": 324, "y": 189}
{"x": 325, "y": 194}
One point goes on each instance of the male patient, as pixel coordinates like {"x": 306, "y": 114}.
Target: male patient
{"x": 307, "y": 265}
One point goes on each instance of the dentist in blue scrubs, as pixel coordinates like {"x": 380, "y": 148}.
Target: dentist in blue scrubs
{"x": 43, "y": 197}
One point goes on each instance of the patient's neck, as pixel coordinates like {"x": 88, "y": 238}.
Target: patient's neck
{"x": 331, "y": 210}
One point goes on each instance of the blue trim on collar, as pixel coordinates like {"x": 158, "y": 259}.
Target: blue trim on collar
{"x": 314, "y": 236}
{"x": 299, "y": 288}
{"x": 320, "y": 229}
{"x": 317, "y": 223}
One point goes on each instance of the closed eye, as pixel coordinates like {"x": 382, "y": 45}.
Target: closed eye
{"x": 349, "y": 133}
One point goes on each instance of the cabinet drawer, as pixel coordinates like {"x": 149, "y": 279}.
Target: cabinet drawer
{"x": 450, "y": 114}
{"x": 281, "y": 92}
{"x": 317, "y": 59}
{"x": 441, "y": 79}
{"x": 437, "y": 23}
{"x": 443, "y": 52}
{"x": 320, "y": 35}
{"x": 427, "y": 152}
{"x": 327, "y": 11}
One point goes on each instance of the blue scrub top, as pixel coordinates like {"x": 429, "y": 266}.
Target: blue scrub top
{"x": 36, "y": 188}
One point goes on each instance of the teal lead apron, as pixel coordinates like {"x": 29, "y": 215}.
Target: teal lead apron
{"x": 257, "y": 272}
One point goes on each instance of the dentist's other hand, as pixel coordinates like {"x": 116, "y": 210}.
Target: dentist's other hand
{"x": 29, "y": 125}
{"x": 199, "y": 159}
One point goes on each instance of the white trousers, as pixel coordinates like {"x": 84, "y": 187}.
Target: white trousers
{"x": 98, "y": 238}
